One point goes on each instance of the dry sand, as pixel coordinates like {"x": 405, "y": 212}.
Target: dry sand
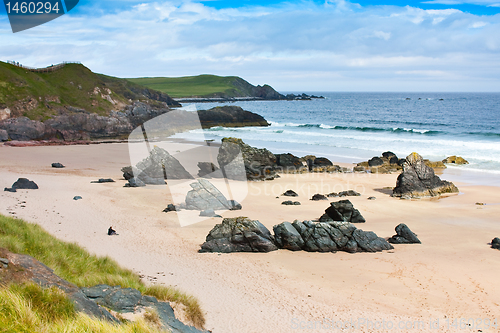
{"x": 452, "y": 275}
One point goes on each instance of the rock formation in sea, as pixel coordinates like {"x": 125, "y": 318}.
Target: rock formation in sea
{"x": 418, "y": 180}
{"x": 455, "y": 160}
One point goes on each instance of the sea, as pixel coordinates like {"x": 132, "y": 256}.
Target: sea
{"x": 351, "y": 127}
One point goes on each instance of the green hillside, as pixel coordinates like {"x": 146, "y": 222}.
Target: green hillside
{"x": 199, "y": 86}
{"x": 40, "y": 95}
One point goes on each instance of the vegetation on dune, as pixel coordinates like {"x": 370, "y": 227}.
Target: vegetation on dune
{"x": 198, "y": 86}
{"x": 77, "y": 266}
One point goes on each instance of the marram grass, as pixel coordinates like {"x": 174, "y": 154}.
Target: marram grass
{"x": 77, "y": 266}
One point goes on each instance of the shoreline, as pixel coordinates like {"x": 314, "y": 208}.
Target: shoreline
{"x": 452, "y": 273}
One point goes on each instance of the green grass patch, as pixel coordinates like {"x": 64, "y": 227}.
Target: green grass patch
{"x": 74, "y": 264}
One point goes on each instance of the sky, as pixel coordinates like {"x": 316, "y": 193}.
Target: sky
{"x": 295, "y": 45}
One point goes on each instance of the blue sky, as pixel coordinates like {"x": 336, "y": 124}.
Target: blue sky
{"x": 333, "y": 45}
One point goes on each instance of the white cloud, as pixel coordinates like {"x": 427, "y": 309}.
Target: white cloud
{"x": 292, "y": 46}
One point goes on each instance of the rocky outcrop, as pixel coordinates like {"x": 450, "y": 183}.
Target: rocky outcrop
{"x": 289, "y": 163}
{"x": 344, "y": 210}
{"x": 239, "y": 234}
{"x": 234, "y": 155}
{"x": 230, "y": 116}
{"x": 418, "y": 180}
{"x": 387, "y": 163}
{"x": 327, "y": 237}
{"x": 455, "y": 160}
{"x": 23, "y": 129}
{"x": 404, "y": 236}
{"x": 204, "y": 196}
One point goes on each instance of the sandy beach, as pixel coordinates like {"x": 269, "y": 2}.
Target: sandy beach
{"x": 452, "y": 275}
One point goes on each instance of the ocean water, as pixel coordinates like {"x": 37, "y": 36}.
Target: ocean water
{"x": 352, "y": 127}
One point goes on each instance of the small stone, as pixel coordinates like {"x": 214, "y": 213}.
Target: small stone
{"x": 290, "y": 193}
{"x": 77, "y": 197}
{"x": 495, "y": 243}
{"x": 170, "y": 208}
{"x": 57, "y": 165}
{"x": 103, "y": 180}
{"x": 371, "y": 198}
{"x": 318, "y": 197}
{"x": 480, "y": 203}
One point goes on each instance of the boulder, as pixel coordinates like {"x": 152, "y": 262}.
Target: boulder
{"x": 318, "y": 197}
{"x": 344, "y": 210}
{"x": 24, "y": 184}
{"x": 348, "y": 193}
{"x": 455, "y": 160}
{"x": 205, "y": 195}
{"x": 289, "y": 163}
{"x": 375, "y": 161}
{"x": 158, "y": 166}
{"x": 389, "y": 154}
{"x": 208, "y": 169}
{"x": 4, "y": 136}
{"x": 495, "y": 243}
{"x": 418, "y": 180}
{"x": 57, "y": 165}
{"x": 259, "y": 163}
{"x": 287, "y": 237}
{"x": 239, "y": 234}
{"x": 322, "y": 161}
{"x": 404, "y": 236}
{"x": 290, "y": 193}
{"x": 23, "y": 128}
{"x": 170, "y": 208}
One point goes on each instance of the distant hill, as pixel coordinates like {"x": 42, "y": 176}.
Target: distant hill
{"x": 72, "y": 88}
{"x": 208, "y": 86}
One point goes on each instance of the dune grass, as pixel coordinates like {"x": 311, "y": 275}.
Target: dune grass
{"x": 77, "y": 266}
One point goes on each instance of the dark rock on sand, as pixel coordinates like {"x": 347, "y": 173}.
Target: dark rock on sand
{"x": 349, "y": 193}
{"x": 290, "y": 193}
{"x": 325, "y": 218}
{"x": 344, "y": 210}
{"x": 289, "y": 163}
{"x": 77, "y": 197}
{"x": 128, "y": 172}
{"x": 322, "y": 161}
{"x": 158, "y": 166}
{"x": 209, "y": 213}
{"x": 287, "y": 237}
{"x": 368, "y": 241}
{"x": 103, "y": 180}
{"x": 235, "y": 205}
{"x": 372, "y": 198}
{"x": 404, "y": 236}
{"x": 318, "y": 197}
{"x": 205, "y": 195}
{"x": 254, "y": 163}
{"x": 57, "y": 165}
{"x": 375, "y": 161}
{"x": 388, "y": 154}
{"x": 291, "y": 203}
{"x": 418, "y": 180}
{"x": 170, "y": 208}
{"x": 9, "y": 189}
{"x": 239, "y": 234}
{"x": 24, "y": 184}
{"x": 208, "y": 169}
{"x": 135, "y": 182}
{"x": 495, "y": 243}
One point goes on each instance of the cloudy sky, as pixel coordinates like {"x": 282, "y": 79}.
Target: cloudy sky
{"x": 332, "y": 45}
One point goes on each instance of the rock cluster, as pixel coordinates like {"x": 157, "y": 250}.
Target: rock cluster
{"x": 404, "y": 236}
{"x": 418, "y": 180}
{"x": 386, "y": 163}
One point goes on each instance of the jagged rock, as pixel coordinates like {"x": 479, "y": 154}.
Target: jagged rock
{"x": 344, "y": 210}
{"x": 418, "y": 180}
{"x": 325, "y": 218}
{"x": 158, "y": 166}
{"x": 289, "y": 163}
{"x": 370, "y": 242}
{"x": 128, "y": 172}
{"x": 135, "y": 182}
{"x": 170, "y": 208}
{"x": 495, "y": 243}
{"x": 259, "y": 164}
{"x": 290, "y": 193}
{"x": 287, "y": 237}
{"x": 455, "y": 160}
{"x": 4, "y": 136}
{"x": 209, "y": 169}
{"x": 239, "y": 234}
{"x": 318, "y": 197}
{"x": 404, "y": 236}
{"x": 103, "y": 180}
{"x": 205, "y": 195}
{"x": 57, "y": 165}
{"x": 23, "y": 129}
{"x": 349, "y": 193}
{"x": 24, "y": 184}
{"x": 209, "y": 213}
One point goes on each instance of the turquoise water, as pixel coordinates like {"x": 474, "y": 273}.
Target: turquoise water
{"x": 351, "y": 127}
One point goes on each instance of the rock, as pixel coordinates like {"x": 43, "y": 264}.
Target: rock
{"x": 230, "y": 116}
{"x": 480, "y": 204}
{"x": 103, "y": 180}
{"x": 287, "y": 237}
{"x": 418, "y": 180}
{"x": 318, "y": 197}
{"x": 170, "y": 208}
{"x": 128, "y": 172}
{"x": 290, "y": 193}
{"x": 259, "y": 164}
{"x": 291, "y": 203}
{"x": 4, "y": 263}
{"x": 455, "y": 160}
{"x": 325, "y": 218}
{"x": 344, "y": 210}
{"x": 24, "y": 184}
{"x": 239, "y": 234}
{"x": 289, "y": 163}
{"x": 57, "y": 165}
{"x": 372, "y": 198}
{"x": 234, "y": 205}
{"x": 205, "y": 195}
{"x": 404, "y": 236}
{"x": 4, "y": 136}
{"x": 208, "y": 169}
{"x": 375, "y": 161}
{"x": 135, "y": 182}
{"x": 435, "y": 165}
{"x": 322, "y": 161}
{"x": 77, "y": 197}
{"x": 23, "y": 129}
{"x": 495, "y": 243}
{"x": 389, "y": 154}
{"x": 209, "y": 213}
{"x": 332, "y": 195}
{"x": 370, "y": 242}
{"x": 359, "y": 168}
{"x": 349, "y": 193}
{"x": 158, "y": 166}
{"x": 7, "y": 189}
